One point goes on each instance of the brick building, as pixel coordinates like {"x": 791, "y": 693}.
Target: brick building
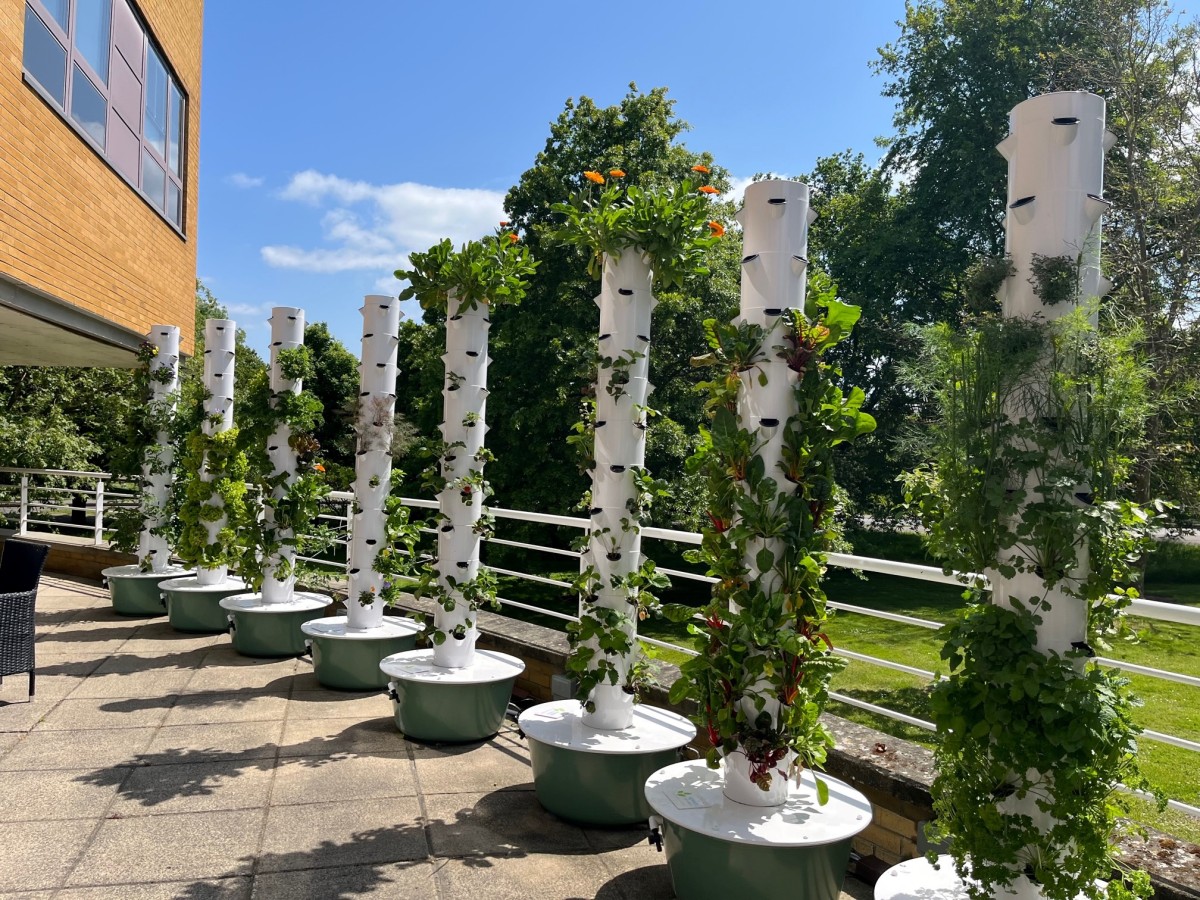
{"x": 99, "y": 149}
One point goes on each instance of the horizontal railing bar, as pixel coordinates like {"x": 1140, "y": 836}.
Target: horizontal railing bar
{"x": 525, "y": 575}
{"x": 535, "y": 609}
{"x": 885, "y": 663}
{"x": 1162, "y": 738}
{"x": 543, "y": 518}
{"x": 655, "y": 642}
{"x": 670, "y": 534}
{"x": 881, "y": 711}
{"x": 60, "y": 524}
{"x": 687, "y": 576}
{"x": 1136, "y": 669}
{"x": 879, "y": 614}
{"x": 1165, "y": 612}
{"x": 891, "y": 567}
{"x": 1177, "y": 805}
{"x": 67, "y": 472}
{"x": 522, "y": 545}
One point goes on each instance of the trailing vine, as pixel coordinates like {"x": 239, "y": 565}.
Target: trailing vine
{"x": 764, "y": 638}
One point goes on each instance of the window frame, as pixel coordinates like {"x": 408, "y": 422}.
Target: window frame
{"x": 75, "y": 57}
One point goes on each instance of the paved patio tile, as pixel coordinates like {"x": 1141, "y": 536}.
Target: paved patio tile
{"x": 498, "y": 764}
{"x": 519, "y": 876}
{"x": 213, "y": 889}
{"x": 92, "y": 713}
{"x": 151, "y": 661}
{"x": 43, "y": 855}
{"x": 227, "y": 706}
{"x": 18, "y": 714}
{"x": 51, "y": 795}
{"x": 212, "y": 743}
{"x": 193, "y": 787}
{"x": 223, "y": 669}
{"x": 402, "y": 881}
{"x": 353, "y": 735}
{"x": 497, "y": 824}
{"x": 351, "y": 832}
{"x": 161, "y": 848}
{"x": 328, "y": 779}
{"x": 339, "y": 705}
{"x": 131, "y": 684}
{"x": 77, "y": 749}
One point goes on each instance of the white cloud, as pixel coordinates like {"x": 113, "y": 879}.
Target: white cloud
{"x": 369, "y": 226}
{"x": 244, "y": 181}
{"x": 737, "y": 188}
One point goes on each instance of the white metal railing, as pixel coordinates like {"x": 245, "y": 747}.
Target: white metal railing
{"x": 31, "y": 495}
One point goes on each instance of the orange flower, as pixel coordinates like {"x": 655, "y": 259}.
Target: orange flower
{"x": 704, "y": 169}
{"x": 319, "y": 467}
{"x": 594, "y": 176}
{"x": 617, "y": 173}
{"x": 512, "y": 238}
{"x": 707, "y": 189}
{"x": 504, "y": 223}
{"x": 717, "y": 228}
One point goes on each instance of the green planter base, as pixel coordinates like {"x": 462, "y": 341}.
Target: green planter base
{"x": 717, "y": 848}
{"x": 349, "y": 661}
{"x": 270, "y": 632}
{"x": 136, "y": 593}
{"x": 450, "y": 705}
{"x": 196, "y": 609}
{"x": 596, "y": 776}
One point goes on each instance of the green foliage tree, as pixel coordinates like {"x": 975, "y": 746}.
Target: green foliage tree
{"x": 335, "y": 384}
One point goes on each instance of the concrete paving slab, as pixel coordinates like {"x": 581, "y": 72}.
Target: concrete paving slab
{"x": 546, "y": 876}
{"x": 91, "y": 713}
{"x": 351, "y": 832}
{"x": 43, "y": 855}
{"x": 328, "y": 779}
{"x": 498, "y": 824}
{"x": 153, "y": 661}
{"x": 8, "y": 740}
{"x": 42, "y": 750}
{"x": 170, "y": 848}
{"x": 324, "y": 736}
{"x": 210, "y": 889}
{"x": 134, "y": 684}
{"x": 339, "y": 705}
{"x": 227, "y": 706}
{"x": 195, "y": 787}
{"x": 56, "y": 794}
{"x": 211, "y": 743}
{"x": 20, "y": 715}
{"x": 401, "y": 881}
{"x": 497, "y": 764}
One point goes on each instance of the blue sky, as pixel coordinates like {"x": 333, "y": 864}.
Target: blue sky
{"x": 331, "y": 144}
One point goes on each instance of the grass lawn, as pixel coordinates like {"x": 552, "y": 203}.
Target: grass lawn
{"x": 1174, "y": 576}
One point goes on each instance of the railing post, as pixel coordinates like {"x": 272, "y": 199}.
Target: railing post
{"x": 24, "y": 523}
{"x": 98, "y": 533}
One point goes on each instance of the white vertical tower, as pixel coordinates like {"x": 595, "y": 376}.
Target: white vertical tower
{"x": 156, "y": 472}
{"x": 775, "y": 216}
{"x": 614, "y": 546}
{"x": 220, "y": 337}
{"x": 373, "y": 467}
{"x": 1055, "y": 154}
{"x": 464, "y": 405}
{"x": 287, "y": 333}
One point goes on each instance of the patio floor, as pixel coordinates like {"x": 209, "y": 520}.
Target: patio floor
{"x": 154, "y": 764}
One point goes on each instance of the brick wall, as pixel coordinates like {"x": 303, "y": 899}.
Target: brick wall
{"x": 69, "y": 224}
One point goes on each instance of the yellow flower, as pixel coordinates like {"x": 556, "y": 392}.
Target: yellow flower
{"x": 703, "y": 169}
{"x": 594, "y": 176}
{"x": 617, "y": 173}
{"x": 718, "y": 230}
{"x": 707, "y": 189}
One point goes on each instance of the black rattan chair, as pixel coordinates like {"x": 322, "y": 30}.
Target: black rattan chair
{"x": 20, "y": 572}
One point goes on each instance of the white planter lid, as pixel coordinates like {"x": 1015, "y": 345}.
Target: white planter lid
{"x": 917, "y": 879}
{"x": 337, "y": 628}
{"x": 689, "y": 794}
{"x": 253, "y": 603}
{"x": 417, "y": 665}
{"x": 192, "y": 585}
{"x": 560, "y": 724}
{"x": 133, "y": 571}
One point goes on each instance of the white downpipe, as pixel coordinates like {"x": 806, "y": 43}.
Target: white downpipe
{"x": 163, "y": 395}
{"x": 220, "y": 338}
{"x": 376, "y": 413}
{"x": 287, "y": 333}
{"x": 615, "y": 543}
{"x": 464, "y": 421}
{"x": 775, "y": 216}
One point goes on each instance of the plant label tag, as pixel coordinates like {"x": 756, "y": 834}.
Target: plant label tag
{"x": 688, "y": 800}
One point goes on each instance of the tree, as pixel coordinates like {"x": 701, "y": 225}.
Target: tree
{"x": 335, "y": 384}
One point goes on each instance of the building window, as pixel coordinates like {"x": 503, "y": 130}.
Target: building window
{"x": 97, "y": 63}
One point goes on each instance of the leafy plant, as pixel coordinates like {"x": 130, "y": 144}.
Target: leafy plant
{"x": 490, "y": 271}
{"x": 222, "y": 493}
{"x": 761, "y": 676}
{"x": 1055, "y": 279}
{"x": 672, "y": 227}
{"x": 983, "y": 280}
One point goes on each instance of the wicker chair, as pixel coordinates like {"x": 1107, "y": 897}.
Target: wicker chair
{"x": 20, "y": 572}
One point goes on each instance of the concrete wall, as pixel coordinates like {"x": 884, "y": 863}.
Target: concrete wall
{"x": 70, "y": 226}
